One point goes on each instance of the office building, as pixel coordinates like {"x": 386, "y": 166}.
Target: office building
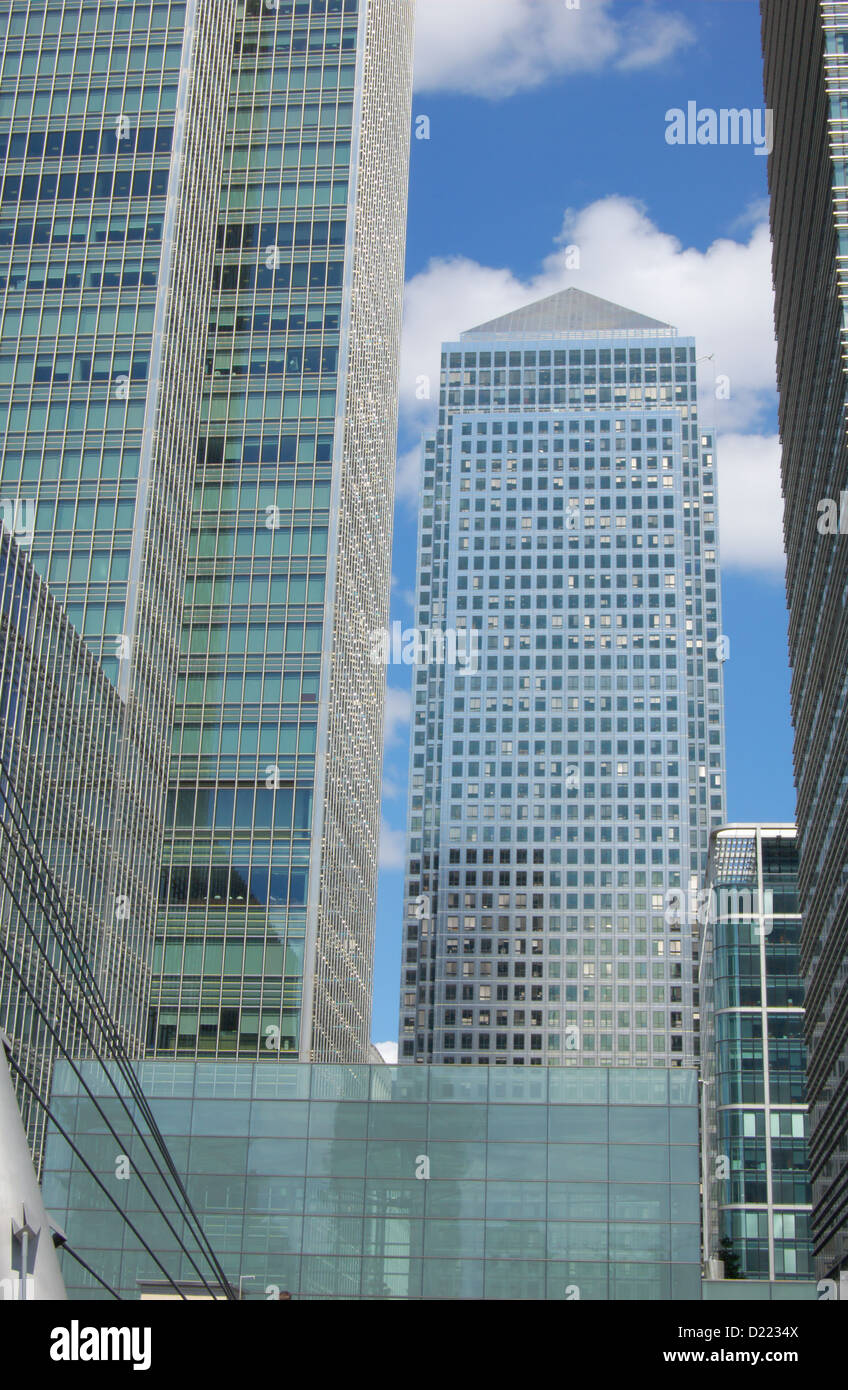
{"x": 266, "y": 929}
{"x": 756, "y": 1178}
{"x": 110, "y": 118}
{"x": 567, "y": 753}
{"x": 201, "y": 261}
{"x": 61, "y": 827}
{"x": 358, "y": 1182}
{"x": 806, "y": 86}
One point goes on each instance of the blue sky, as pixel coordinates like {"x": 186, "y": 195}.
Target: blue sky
{"x": 547, "y": 127}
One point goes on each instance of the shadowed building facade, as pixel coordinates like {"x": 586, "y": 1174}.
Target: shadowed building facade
{"x": 806, "y": 85}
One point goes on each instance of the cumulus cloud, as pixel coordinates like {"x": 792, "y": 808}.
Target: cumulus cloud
{"x": 408, "y": 475}
{"x": 756, "y": 211}
{"x": 392, "y": 788}
{"x": 750, "y": 503}
{"x": 721, "y": 295}
{"x": 494, "y": 48}
{"x": 649, "y": 37}
{"x": 442, "y": 301}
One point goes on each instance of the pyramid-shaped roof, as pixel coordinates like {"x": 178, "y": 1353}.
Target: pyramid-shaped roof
{"x": 568, "y": 311}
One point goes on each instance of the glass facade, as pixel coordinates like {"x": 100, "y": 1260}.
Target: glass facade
{"x": 755, "y": 1118}
{"x": 358, "y": 1182}
{"x": 111, "y": 126}
{"x": 60, "y": 735}
{"x": 564, "y": 780}
{"x": 757, "y": 1291}
{"x": 201, "y": 268}
{"x": 267, "y": 899}
{"x": 806, "y": 85}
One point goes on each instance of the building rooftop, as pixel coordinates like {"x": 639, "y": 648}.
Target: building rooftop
{"x": 569, "y": 311}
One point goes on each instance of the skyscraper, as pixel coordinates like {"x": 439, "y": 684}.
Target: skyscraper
{"x": 111, "y": 126}
{"x": 566, "y": 768}
{"x": 756, "y": 1179}
{"x": 265, "y": 938}
{"x": 202, "y": 234}
{"x": 806, "y": 85}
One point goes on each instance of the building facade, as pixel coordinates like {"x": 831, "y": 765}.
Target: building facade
{"x": 265, "y": 937}
{"x": 111, "y": 125}
{"x": 61, "y": 723}
{"x": 201, "y": 264}
{"x": 567, "y": 749}
{"x": 806, "y": 85}
{"x": 755, "y": 1153}
{"x": 358, "y": 1182}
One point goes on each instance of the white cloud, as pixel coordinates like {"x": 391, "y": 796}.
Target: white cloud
{"x": 408, "y": 474}
{"x": 402, "y": 595}
{"x": 388, "y": 1051}
{"x": 650, "y": 37}
{"x": 722, "y": 296}
{"x": 392, "y": 788}
{"x": 392, "y": 847}
{"x": 750, "y": 503}
{"x": 398, "y": 711}
{"x": 494, "y": 48}
{"x": 756, "y": 211}
{"x": 441, "y": 302}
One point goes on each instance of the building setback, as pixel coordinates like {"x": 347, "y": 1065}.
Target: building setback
{"x": 201, "y": 261}
{"x": 756, "y": 1179}
{"x": 567, "y": 753}
{"x": 806, "y": 85}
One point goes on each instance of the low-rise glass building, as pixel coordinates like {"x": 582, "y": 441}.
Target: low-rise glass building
{"x": 756, "y": 1176}
{"x": 407, "y": 1182}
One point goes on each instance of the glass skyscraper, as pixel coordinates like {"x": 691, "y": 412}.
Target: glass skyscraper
{"x": 265, "y": 939}
{"x": 566, "y": 768}
{"x": 756, "y": 1178}
{"x": 110, "y": 117}
{"x": 201, "y": 259}
{"x": 806, "y": 85}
